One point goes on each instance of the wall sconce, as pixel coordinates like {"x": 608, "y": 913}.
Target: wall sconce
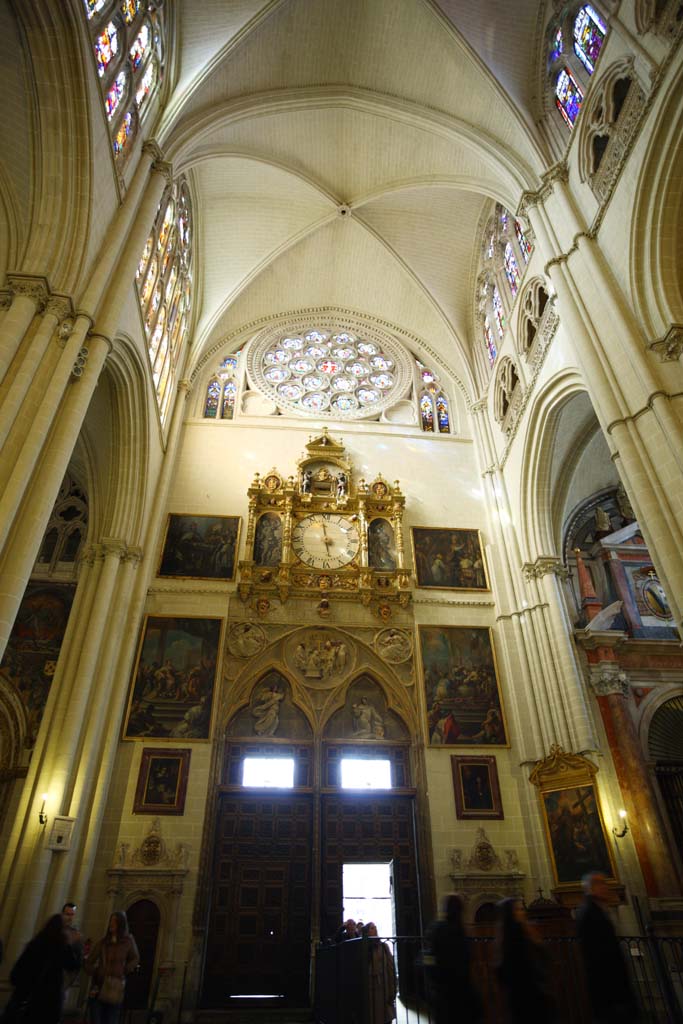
{"x": 619, "y": 834}
{"x": 42, "y": 816}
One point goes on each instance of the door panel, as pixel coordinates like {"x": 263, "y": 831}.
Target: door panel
{"x": 259, "y": 924}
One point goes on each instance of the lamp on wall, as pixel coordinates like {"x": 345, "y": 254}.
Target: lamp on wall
{"x": 619, "y": 834}
{"x": 42, "y": 816}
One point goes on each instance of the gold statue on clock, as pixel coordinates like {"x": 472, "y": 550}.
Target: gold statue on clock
{"x": 307, "y": 535}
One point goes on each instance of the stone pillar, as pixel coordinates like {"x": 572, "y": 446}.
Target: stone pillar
{"x": 29, "y": 295}
{"x": 609, "y": 684}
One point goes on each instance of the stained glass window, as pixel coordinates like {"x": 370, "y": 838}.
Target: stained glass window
{"x": 491, "y": 349}
{"x": 556, "y": 48}
{"x": 427, "y": 414}
{"x": 589, "y": 35}
{"x": 489, "y": 251}
{"x": 512, "y": 270}
{"x": 165, "y": 226}
{"x": 106, "y": 47}
{"x": 504, "y": 220}
{"x": 146, "y": 84}
{"x": 125, "y": 131}
{"x": 498, "y": 311}
{"x": 229, "y": 397}
{"x": 93, "y": 7}
{"x": 144, "y": 258}
{"x": 442, "y": 414}
{"x": 525, "y": 246}
{"x": 140, "y": 47}
{"x": 129, "y": 9}
{"x": 568, "y": 97}
{"x": 115, "y": 94}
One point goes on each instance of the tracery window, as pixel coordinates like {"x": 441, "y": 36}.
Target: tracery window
{"x": 507, "y": 391}
{"x": 128, "y": 44}
{"x": 506, "y": 252}
{"x": 568, "y": 97}
{"x": 589, "y": 35}
{"x": 163, "y": 281}
{"x": 221, "y": 393}
{"x": 433, "y": 403}
{"x": 573, "y": 47}
{"x": 534, "y": 302}
{"x": 66, "y": 531}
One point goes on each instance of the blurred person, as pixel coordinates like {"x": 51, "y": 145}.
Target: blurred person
{"x": 609, "y": 985}
{"x": 38, "y": 975}
{"x": 382, "y": 977}
{"x": 347, "y": 931}
{"x": 451, "y": 993}
{"x": 522, "y": 966}
{"x": 109, "y": 961}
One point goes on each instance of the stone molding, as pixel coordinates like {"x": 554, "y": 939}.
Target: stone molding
{"x": 544, "y": 565}
{"x": 607, "y": 678}
{"x": 621, "y": 139}
{"x": 451, "y": 602}
{"x": 32, "y": 286}
{"x": 670, "y": 346}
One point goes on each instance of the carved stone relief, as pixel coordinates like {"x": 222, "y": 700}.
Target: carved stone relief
{"x": 394, "y": 645}
{"x": 320, "y": 657}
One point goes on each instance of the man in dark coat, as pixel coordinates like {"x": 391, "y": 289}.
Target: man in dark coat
{"x": 609, "y": 985}
{"x": 451, "y": 992}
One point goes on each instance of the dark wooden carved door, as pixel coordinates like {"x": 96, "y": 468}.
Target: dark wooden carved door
{"x": 260, "y": 918}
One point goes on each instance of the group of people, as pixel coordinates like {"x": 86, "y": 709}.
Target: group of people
{"x": 52, "y": 961}
{"x": 381, "y": 970}
{"x": 522, "y": 968}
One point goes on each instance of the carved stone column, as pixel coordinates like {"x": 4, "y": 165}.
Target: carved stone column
{"x": 29, "y": 295}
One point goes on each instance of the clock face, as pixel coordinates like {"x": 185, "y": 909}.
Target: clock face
{"x": 325, "y": 540}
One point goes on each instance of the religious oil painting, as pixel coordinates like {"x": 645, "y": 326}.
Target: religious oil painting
{"x": 162, "y": 781}
{"x": 576, "y": 834}
{"x": 200, "y": 547}
{"x": 449, "y": 559}
{"x": 461, "y": 687}
{"x": 475, "y": 787}
{"x": 173, "y": 684}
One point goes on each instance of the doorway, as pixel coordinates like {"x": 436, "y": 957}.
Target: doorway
{"x": 368, "y": 895}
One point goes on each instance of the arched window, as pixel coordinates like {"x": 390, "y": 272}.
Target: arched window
{"x": 128, "y": 44}
{"x": 568, "y": 97}
{"x": 65, "y": 532}
{"x": 221, "y": 393}
{"x": 434, "y": 409}
{"x": 164, "y": 287}
{"x": 534, "y": 304}
{"x": 610, "y": 118}
{"x": 589, "y": 35}
{"x": 512, "y": 270}
{"x": 507, "y": 393}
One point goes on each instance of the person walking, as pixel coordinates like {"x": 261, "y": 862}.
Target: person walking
{"x": 109, "y": 961}
{"x": 523, "y": 969}
{"x": 451, "y": 993}
{"x": 381, "y": 977}
{"x": 38, "y": 975}
{"x": 609, "y": 985}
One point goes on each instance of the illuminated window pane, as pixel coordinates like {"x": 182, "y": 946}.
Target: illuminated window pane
{"x": 165, "y": 228}
{"x": 129, "y": 8}
{"x": 489, "y": 251}
{"x": 512, "y": 270}
{"x": 498, "y": 311}
{"x": 427, "y": 414}
{"x": 524, "y": 245}
{"x": 268, "y": 772}
{"x": 556, "y": 48}
{"x": 568, "y": 97}
{"x": 115, "y": 94}
{"x": 229, "y": 396}
{"x": 106, "y": 47}
{"x": 491, "y": 349}
{"x": 143, "y": 259}
{"x": 140, "y": 47}
{"x": 365, "y": 773}
{"x": 442, "y": 416}
{"x": 92, "y": 7}
{"x": 146, "y": 84}
{"x": 124, "y": 133}
{"x": 589, "y": 35}
{"x": 213, "y": 397}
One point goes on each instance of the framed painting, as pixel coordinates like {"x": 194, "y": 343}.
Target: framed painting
{"x": 461, "y": 687}
{"x": 449, "y": 559}
{"x": 575, "y": 830}
{"x": 475, "y": 787}
{"x": 200, "y": 547}
{"x": 173, "y": 682}
{"x": 162, "y": 781}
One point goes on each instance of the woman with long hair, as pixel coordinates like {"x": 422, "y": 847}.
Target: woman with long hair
{"x": 109, "y": 961}
{"x": 38, "y": 974}
{"x": 522, "y": 966}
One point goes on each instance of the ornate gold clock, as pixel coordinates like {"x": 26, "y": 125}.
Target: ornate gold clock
{"x": 319, "y": 533}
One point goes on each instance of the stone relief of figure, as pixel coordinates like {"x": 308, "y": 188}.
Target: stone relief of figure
{"x": 367, "y": 721}
{"x": 393, "y": 645}
{"x": 267, "y": 711}
{"x": 246, "y": 639}
{"x": 319, "y": 658}
{"x": 342, "y": 484}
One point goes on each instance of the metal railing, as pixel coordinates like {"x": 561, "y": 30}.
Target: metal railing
{"x": 348, "y": 990}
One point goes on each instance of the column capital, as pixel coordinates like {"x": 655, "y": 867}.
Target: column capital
{"x": 113, "y": 546}
{"x": 164, "y": 168}
{"x": 607, "y": 677}
{"x": 152, "y": 147}
{"x": 60, "y": 306}
{"x": 185, "y": 385}
{"x": 670, "y": 346}
{"x": 543, "y": 566}
{"x": 134, "y": 555}
{"x": 558, "y": 172}
{"x": 32, "y": 286}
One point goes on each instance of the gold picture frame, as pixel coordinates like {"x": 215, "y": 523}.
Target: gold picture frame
{"x": 449, "y": 558}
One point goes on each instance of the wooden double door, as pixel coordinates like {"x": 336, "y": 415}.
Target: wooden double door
{"x": 269, "y": 852}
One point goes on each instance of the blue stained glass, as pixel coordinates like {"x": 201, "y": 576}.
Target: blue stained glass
{"x": 213, "y": 394}
{"x": 589, "y": 35}
{"x": 442, "y": 415}
{"x": 106, "y": 47}
{"x": 124, "y": 133}
{"x": 556, "y": 47}
{"x": 511, "y": 270}
{"x": 491, "y": 349}
{"x": 498, "y": 311}
{"x": 427, "y": 414}
{"x": 229, "y": 396}
{"x": 568, "y": 97}
{"x": 525, "y": 246}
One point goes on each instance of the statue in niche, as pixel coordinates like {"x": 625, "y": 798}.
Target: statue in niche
{"x": 266, "y": 711}
{"x": 603, "y": 523}
{"x": 367, "y": 721}
{"x": 306, "y": 481}
{"x": 342, "y": 485}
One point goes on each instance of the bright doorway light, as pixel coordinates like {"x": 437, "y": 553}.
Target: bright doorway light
{"x": 367, "y": 895}
{"x": 365, "y": 773}
{"x": 268, "y": 772}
